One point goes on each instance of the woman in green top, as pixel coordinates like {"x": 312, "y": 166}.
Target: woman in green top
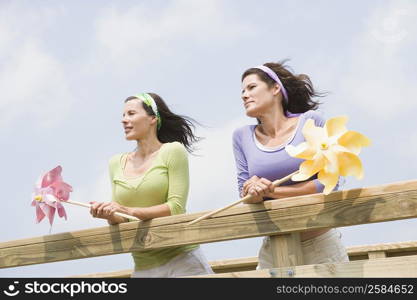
{"x": 153, "y": 181}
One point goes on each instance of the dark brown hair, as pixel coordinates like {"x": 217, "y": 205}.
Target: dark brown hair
{"x": 174, "y": 128}
{"x": 299, "y": 87}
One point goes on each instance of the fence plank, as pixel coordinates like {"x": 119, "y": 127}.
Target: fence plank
{"x": 376, "y": 254}
{"x": 389, "y": 248}
{"x": 250, "y": 263}
{"x": 318, "y": 211}
{"x": 382, "y": 267}
{"x": 391, "y": 188}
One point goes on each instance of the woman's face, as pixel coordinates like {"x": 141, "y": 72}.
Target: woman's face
{"x": 257, "y": 96}
{"x": 136, "y": 122}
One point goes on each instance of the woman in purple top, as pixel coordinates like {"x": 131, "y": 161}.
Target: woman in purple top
{"x": 281, "y": 102}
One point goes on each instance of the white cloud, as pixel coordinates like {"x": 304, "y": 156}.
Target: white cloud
{"x": 213, "y": 182}
{"x": 213, "y": 185}
{"x": 131, "y": 36}
{"x": 407, "y": 150}
{"x": 32, "y": 81}
{"x": 379, "y": 80}
{"x": 5, "y": 38}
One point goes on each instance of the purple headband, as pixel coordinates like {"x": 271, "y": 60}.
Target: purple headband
{"x": 275, "y": 77}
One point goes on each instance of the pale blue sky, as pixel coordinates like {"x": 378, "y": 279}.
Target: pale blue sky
{"x": 67, "y": 66}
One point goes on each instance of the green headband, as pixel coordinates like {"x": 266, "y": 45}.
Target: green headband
{"x": 149, "y": 101}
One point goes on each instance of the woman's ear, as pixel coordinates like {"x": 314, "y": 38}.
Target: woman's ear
{"x": 154, "y": 120}
{"x": 276, "y": 89}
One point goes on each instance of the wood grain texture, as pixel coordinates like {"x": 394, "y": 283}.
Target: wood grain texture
{"x": 389, "y": 248}
{"x": 250, "y": 263}
{"x": 376, "y": 254}
{"x": 384, "y": 189}
{"x": 286, "y": 250}
{"x": 359, "y": 206}
{"x": 382, "y": 267}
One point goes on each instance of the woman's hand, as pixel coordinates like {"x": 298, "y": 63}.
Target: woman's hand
{"x": 104, "y": 210}
{"x": 257, "y": 188}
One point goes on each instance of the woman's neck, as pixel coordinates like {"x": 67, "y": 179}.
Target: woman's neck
{"x": 147, "y": 146}
{"x": 273, "y": 123}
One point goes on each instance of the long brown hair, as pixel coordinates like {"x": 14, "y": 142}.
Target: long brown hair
{"x": 299, "y": 87}
{"x": 174, "y": 128}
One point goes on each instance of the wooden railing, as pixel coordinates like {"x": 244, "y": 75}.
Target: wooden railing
{"x": 281, "y": 219}
{"x": 355, "y": 253}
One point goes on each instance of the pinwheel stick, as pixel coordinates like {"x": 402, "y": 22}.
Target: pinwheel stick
{"x": 116, "y": 213}
{"x": 247, "y": 197}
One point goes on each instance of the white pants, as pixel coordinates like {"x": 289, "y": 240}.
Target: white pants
{"x": 325, "y": 248}
{"x": 185, "y": 264}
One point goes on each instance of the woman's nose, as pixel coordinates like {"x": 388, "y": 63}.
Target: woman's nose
{"x": 244, "y": 96}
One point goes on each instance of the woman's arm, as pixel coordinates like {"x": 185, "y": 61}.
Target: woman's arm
{"x": 178, "y": 178}
{"x": 262, "y": 187}
{"x": 240, "y": 162}
{"x": 297, "y": 189}
{"x": 151, "y": 212}
{"x": 106, "y": 210}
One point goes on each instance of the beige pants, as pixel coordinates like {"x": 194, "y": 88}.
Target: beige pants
{"x": 325, "y": 248}
{"x": 185, "y": 264}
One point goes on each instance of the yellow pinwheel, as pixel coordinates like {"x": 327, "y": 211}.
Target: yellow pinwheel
{"x": 330, "y": 151}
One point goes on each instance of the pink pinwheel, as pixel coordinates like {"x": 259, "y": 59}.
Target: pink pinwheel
{"x": 49, "y": 191}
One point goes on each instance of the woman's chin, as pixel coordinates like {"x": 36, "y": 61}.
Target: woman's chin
{"x": 251, "y": 113}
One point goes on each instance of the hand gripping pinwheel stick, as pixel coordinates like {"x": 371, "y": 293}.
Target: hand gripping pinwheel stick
{"x": 89, "y": 206}
{"x": 50, "y": 191}
{"x": 247, "y": 197}
{"x": 116, "y": 213}
{"x": 330, "y": 151}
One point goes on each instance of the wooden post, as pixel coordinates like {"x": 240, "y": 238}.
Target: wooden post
{"x": 286, "y": 250}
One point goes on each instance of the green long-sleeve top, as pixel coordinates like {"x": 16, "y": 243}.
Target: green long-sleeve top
{"x": 166, "y": 181}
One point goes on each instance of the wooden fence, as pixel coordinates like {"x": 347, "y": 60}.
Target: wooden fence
{"x": 249, "y": 263}
{"x": 282, "y": 219}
